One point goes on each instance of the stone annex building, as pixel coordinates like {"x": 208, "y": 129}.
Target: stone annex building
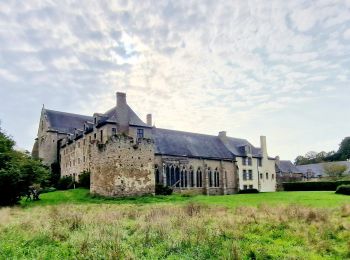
{"x": 128, "y": 157}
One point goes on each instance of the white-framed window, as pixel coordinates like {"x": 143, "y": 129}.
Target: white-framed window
{"x": 140, "y": 133}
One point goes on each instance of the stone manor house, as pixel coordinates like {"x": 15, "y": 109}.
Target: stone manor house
{"x": 128, "y": 157}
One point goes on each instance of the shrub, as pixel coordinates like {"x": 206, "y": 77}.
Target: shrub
{"x": 65, "y": 183}
{"x": 48, "y": 189}
{"x": 163, "y": 190}
{"x": 84, "y": 179}
{"x": 343, "y": 189}
{"x": 248, "y": 191}
{"x": 18, "y": 171}
{"x": 313, "y": 185}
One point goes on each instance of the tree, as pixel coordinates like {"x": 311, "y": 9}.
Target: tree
{"x": 334, "y": 170}
{"x": 344, "y": 149}
{"x": 18, "y": 171}
{"x": 301, "y": 160}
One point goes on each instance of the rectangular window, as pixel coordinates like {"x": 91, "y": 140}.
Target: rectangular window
{"x": 139, "y": 133}
{"x": 84, "y": 142}
{"x": 78, "y": 144}
{"x": 250, "y": 174}
{"x": 101, "y": 136}
{"x": 245, "y": 187}
{"x": 250, "y": 186}
{"x": 244, "y": 161}
{"x": 114, "y": 131}
{"x": 267, "y": 176}
{"x": 244, "y": 175}
{"x": 84, "y": 159}
{"x": 249, "y": 161}
{"x": 78, "y": 160}
{"x": 260, "y": 162}
{"x": 261, "y": 176}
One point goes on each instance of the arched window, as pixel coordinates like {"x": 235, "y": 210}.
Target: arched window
{"x": 216, "y": 178}
{"x": 168, "y": 175}
{"x": 199, "y": 177}
{"x": 191, "y": 180}
{"x": 267, "y": 176}
{"x": 157, "y": 175}
{"x": 172, "y": 175}
{"x": 177, "y": 176}
{"x": 210, "y": 177}
{"x": 183, "y": 177}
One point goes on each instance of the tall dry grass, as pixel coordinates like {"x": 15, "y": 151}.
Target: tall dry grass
{"x": 191, "y": 231}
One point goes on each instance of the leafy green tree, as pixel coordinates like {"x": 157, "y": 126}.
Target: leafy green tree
{"x": 334, "y": 170}
{"x": 84, "y": 179}
{"x": 18, "y": 171}
{"x": 344, "y": 149}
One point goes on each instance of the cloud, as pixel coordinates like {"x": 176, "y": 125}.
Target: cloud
{"x": 346, "y": 34}
{"x": 198, "y": 66}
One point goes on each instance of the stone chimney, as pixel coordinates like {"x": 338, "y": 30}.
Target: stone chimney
{"x": 222, "y": 134}
{"x": 122, "y": 113}
{"x": 263, "y": 146}
{"x": 149, "y": 119}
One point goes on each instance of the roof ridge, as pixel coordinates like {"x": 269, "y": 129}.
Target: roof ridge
{"x": 185, "y": 132}
{"x": 66, "y": 113}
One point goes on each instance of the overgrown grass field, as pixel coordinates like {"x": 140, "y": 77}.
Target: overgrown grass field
{"x": 282, "y": 225}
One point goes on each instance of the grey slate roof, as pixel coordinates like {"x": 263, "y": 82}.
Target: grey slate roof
{"x": 235, "y": 145}
{"x": 167, "y": 142}
{"x": 178, "y": 143}
{"x": 283, "y": 166}
{"x": 65, "y": 122}
{"x": 317, "y": 169}
{"x": 68, "y": 122}
{"x": 134, "y": 119}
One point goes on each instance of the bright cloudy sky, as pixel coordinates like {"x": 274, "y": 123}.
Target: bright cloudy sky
{"x": 274, "y": 68}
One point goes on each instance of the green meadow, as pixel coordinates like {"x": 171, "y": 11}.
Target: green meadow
{"x": 74, "y": 225}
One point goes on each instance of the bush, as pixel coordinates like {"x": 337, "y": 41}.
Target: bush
{"x": 48, "y": 189}
{"x": 84, "y": 180}
{"x": 18, "y": 171}
{"x": 65, "y": 183}
{"x": 163, "y": 190}
{"x": 343, "y": 189}
{"x": 313, "y": 185}
{"x": 248, "y": 191}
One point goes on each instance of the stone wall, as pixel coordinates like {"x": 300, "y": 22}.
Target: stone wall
{"x": 228, "y": 178}
{"x": 45, "y": 147}
{"x": 122, "y": 167}
{"x": 263, "y": 176}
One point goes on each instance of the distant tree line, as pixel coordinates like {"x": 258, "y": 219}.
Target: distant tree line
{"x": 311, "y": 157}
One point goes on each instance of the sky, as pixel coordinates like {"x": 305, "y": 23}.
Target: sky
{"x": 274, "y": 68}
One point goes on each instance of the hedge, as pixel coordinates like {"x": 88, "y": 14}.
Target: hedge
{"x": 163, "y": 190}
{"x": 343, "y": 189}
{"x": 313, "y": 185}
{"x": 247, "y": 191}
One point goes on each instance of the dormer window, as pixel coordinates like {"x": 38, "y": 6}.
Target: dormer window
{"x": 95, "y": 120}
{"x": 248, "y": 149}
